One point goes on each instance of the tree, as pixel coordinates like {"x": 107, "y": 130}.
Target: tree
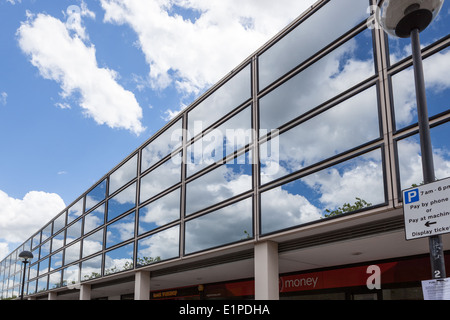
{"x": 347, "y": 207}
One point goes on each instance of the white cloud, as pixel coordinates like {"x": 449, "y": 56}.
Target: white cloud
{"x": 64, "y": 57}
{"x": 20, "y": 218}
{"x": 195, "y": 53}
{"x": 3, "y": 97}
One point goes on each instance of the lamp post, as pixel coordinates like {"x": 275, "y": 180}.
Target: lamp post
{"x": 25, "y": 257}
{"x": 407, "y": 18}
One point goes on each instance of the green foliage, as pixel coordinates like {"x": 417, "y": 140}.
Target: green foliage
{"x": 347, "y": 207}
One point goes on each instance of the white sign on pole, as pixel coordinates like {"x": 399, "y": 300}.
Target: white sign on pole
{"x": 426, "y": 209}
{"x": 436, "y": 289}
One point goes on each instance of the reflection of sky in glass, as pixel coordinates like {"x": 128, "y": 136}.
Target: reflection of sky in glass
{"x": 228, "y": 137}
{"x": 56, "y": 261}
{"x": 59, "y": 223}
{"x": 91, "y": 268}
{"x": 120, "y": 230}
{"x": 159, "y": 246}
{"x": 42, "y": 284}
{"x": 96, "y": 195}
{"x": 223, "y": 226}
{"x": 341, "y": 128}
{"x": 338, "y": 71}
{"x": 160, "y": 212}
{"x": 122, "y": 202}
{"x": 309, "y": 37}
{"x": 54, "y": 280}
{"x": 437, "y": 82}
{"x": 93, "y": 243}
{"x": 72, "y": 253}
{"x": 75, "y": 211}
{"x": 58, "y": 241}
{"x": 46, "y": 232}
{"x": 163, "y": 145}
{"x": 409, "y": 156}
{"x": 226, "y": 98}
{"x": 153, "y": 183}
{"x": 122, "y": 175}
{"x": 119, "y": 259}
{"x": 94, "y": 219}
{"x": 71, "y": 275}
{"x": 306, "y": 199}
{"x": 74, "y": 231}
{"x": 400, "y": 48}
{"x": 224, "y": 182}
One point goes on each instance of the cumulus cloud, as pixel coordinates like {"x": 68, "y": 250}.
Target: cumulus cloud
{"x": 195, "y": 50}
{"x": 57, "y": 49}
{"x": 20, "y": 218}
{"x": 3, "y": 97}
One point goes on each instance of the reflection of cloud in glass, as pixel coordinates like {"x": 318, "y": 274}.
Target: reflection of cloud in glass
{"x": 224, "y": 182}
{"x": 96, "y": 195}
{"x": 306, "y": 199}
{"x": 436, "y": 70}
{"x": 160, "y": 212}
{"x": 315, "y": 33}
{"x": 123, "y": 174}
{"x": 94, "y": 219}
{"x": 163, "y": 145}
{"x": 341, "y": 69}
{"x": 119, "y": 259}
{"x": 159, "y": 246}
{"x": 341, "y": 128}
{"x": 93, "y": 243}
{"x": 226, "y": 225}
{"x": 75, "y": 211}
{"x": 120, "y": 230}
{"x": 122, "y": 202}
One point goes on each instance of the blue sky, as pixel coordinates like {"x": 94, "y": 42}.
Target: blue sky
{"x": 83, "y": 83}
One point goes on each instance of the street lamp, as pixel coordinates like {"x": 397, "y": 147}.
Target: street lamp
{"x": 407, "y": 18}
{"x": 25, "y": 257}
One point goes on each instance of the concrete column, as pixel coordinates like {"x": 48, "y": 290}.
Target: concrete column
{"x": 266, "y": 271}
{"x": 52, "y": 296}
{"x": 142, "y": 285}
{"x": 85, "y": 292}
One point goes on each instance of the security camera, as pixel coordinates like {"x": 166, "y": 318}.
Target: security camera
{"x": 400, "y": 17}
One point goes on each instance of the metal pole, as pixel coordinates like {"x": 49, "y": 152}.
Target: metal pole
{"x": 23, "y": 279}
{"x": 435, "y": 242}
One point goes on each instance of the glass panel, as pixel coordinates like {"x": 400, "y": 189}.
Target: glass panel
{"x": 71, "y": 275}
{"x": 33, "y": 271}
{"x": 73, "y": 232}
{"x": 59, "y": 223}
{"x": 122, "y": 202}
{"x": 220, "y": 142}
{"x": 120, "y": 230}
{"x": 224, "y": 182}
{"x": 163, "y": 145}
{"x": 345, "y": 187}
{"x": 56, "y": 261}
{"x": 409, "y": 156}
{"x": 54, "y": 280}
{"x": 43, "y": 266}
{"x": 94, "y": 219}
{"x": 160, "y": 212}
{"x": 312, "y": 35}
{"x": 226, "y": 98}
{"x": 153, "y": 183}
{"x": 75, "y": 211}
{"x": 160, "y": 246}
{"x": 93, "y": 243}
{"x": 72, "y": 253}
{"x": 341, "y": 128}
{"x": 46, "y": 232}
{"x": 223, "y": 226}
{"x": 45, "y": 249}
{"x": 91, "y": 269}
{"x": 96, "y": 195}
{"x": 338, "y": 71}
{"x": 42, "y": 284}
{"x": 436, "y": 69}
{"x": 32, "y": 287}
{"x": 119, "y": 259}
{"x": 122, "y": 175}
{"x": 36, "y": 240}
{"x": 58, "y": 241}
{"x": 400, "y": 48}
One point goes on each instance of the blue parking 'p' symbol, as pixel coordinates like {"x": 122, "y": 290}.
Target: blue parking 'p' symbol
{"x": 411, "y": 196}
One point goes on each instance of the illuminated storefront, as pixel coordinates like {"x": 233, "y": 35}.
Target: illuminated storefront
{"x": 293, "y": 163}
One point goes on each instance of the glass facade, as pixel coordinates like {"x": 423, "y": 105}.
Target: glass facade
{"x": 284, "y": 141}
